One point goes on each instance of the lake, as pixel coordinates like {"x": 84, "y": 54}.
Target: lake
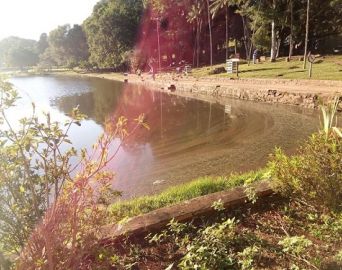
{"x": 188, "y": 137}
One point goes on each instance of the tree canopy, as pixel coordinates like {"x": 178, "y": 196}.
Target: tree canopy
{"x": 111, "y": 31}
{"x": 18, "y": 52}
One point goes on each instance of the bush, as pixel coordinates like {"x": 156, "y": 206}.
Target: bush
{"x": 315, "y": 174}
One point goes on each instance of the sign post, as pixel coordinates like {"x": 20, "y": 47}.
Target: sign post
{"x": 311, "y": 59}
{"x": 233, "y": 66}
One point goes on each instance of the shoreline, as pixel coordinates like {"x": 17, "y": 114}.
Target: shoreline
{"x": 303, "y": 93}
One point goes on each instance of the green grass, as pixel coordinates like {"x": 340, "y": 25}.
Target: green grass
{"x": 199, "y": 187}
{"x": 325, "y": 68}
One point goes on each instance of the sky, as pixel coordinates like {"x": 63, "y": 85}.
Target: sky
{"x": 30, "y": 18}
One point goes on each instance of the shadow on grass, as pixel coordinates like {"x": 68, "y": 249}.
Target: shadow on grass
{"x": 257, "y": 70}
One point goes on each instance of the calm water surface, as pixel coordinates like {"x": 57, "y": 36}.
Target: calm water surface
{"x": 188, "y": 137}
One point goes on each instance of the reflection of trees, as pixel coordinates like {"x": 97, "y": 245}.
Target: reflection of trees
{"x": 182, "y": 122}
{"x": 97, "y": 104}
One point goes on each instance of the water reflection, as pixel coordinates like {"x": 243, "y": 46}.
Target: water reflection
{"x": 188, "y": 138}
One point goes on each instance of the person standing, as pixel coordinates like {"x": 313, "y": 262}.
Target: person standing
{"x": 255, "y": 56}
{"x": 152, "y": 69}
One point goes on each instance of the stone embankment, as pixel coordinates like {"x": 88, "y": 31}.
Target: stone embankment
{"x": 305, "y": 93}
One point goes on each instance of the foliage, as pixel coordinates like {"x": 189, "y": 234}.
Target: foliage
{"x": 33, "y": 168}
{"x": 67, "y": 46}
{"x": 216, "y": 246}
{"x": 42, "y": 43}
{"x": 112, "y": 30}
{"x": 17, "y": 52}
{"x": 295, "y": 245}
{"x": 39, "y": 178}
{"x": 315, "y": 174}
{"x": 211, "y": 249}
{"x": 330, "y": 119}
{"x": 71, "y": 228}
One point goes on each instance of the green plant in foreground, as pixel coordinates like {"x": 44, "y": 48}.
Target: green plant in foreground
{"x": 295, "y": 245}
{"x": 329, "y": 114}
{"x": 48, "y": 215}
{"x": 246, "y": 257}
{"x": 33, "y": 168}
{"x": 211, "y": 249}
{"x": 338, "y": 256}
{"x": 315, "y": 173}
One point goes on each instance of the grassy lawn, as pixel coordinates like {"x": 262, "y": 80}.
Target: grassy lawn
{"x": 325, "y": 68}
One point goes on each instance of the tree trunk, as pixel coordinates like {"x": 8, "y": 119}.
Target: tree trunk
{"x": 227, "y": 37}
{"x": 291, "y": 31}
{"x": 210, "y": 35}
{"x": 246, "y": 37}
{"x": 278, "y": 47}
{"x": 195, "y": 47}
{"x": 199, "y": 30}
{"x": 306, "y": 33}
{"x": 273, "y": 38}
{"x": 274, "y": 43}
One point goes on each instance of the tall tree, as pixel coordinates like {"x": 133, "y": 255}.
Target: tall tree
{"x": 43, "y": 43}
{"x": 67, "y": 46}
{"x": 111, "y": 31}
{"x": 306, "y": 33}
{"x": 18, "y": 52}
{"x": 291, "y": 29}
{"x": 215, "y": 7}
{"x": 210, "y": 33}
{"x": 273, "y": 37}
{"x": 195, "y": 17}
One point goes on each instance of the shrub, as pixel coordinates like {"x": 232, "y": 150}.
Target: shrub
{"x": 295, "y": 245}
{"x": 46, "y": 199}
{"x": 315, "y": 174}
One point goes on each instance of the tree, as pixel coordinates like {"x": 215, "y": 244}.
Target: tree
{"x": 58, "y": 44}
{"x": 76, "y": 44}
{"x": 42, "y": 44}
{"x": 215, "y": 7}
{"x": 18, "y": 52}
{"x": 291, "y": 29}
{"x": 66, "y": 46}
{"x": 195, "y": 17}
{"x": 210, "y": 33}
{"x": 273, "y": 37}
{"x": 111, "y": 31}
{"x": 21, "y": 57}
{"x": 306, "y": 33}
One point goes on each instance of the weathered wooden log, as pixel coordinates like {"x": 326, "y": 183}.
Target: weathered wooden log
{"x": 184, "y": 211}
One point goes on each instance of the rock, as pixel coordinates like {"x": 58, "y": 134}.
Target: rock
{"x": 158, "y": 182}
{"x": 171, "y": 87}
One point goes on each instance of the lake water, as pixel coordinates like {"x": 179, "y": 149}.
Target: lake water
{"x": 188, "y": 137}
